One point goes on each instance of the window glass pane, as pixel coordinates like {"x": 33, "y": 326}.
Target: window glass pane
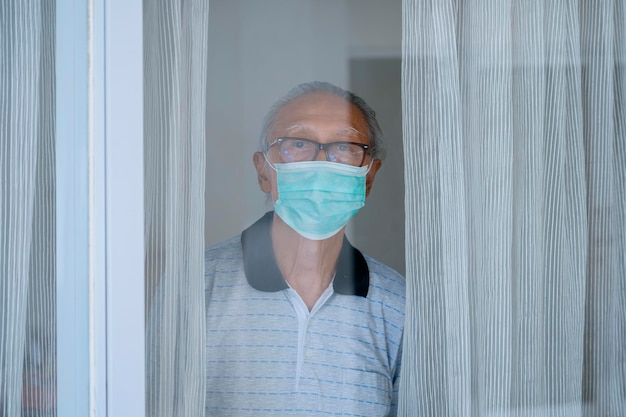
{"x": 300, "y": 341}
{"x": 255, "y": 53}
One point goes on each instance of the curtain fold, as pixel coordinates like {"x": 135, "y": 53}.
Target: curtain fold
{"x": 27, "y": 209}
{"x": 175, "y": 51}
{"x": 514, "y": 135}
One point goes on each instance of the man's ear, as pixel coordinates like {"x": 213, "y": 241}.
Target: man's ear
{"x": 259, "y": 163}
{"x": 376, "y": 164}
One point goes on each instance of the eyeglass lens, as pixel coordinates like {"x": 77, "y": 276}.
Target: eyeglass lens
{"x": 298, "y": 150}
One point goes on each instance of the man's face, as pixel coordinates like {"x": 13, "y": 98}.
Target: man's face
{"x": 321, "y": 117}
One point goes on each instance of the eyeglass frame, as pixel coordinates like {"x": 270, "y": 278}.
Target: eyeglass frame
{"x": 322, "y": 146}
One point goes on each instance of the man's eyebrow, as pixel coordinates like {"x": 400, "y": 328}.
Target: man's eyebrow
{"x": 349, "y": 130}
{"x": 345, "y": 131}
{"x": 295, "y": 127}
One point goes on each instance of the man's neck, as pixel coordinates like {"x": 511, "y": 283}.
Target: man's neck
{"x": 308, "y": 266}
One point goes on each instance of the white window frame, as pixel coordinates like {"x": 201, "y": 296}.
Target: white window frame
{"x": 100, "y": 215}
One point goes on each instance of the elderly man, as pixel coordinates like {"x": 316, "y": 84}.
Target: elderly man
{"x": 299, "y": 322}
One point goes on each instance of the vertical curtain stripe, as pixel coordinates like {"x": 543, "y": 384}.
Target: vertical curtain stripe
{"x": 441, "y": 156}
{"x": 175, "y": 54}
{"x": 618, "y": 388}
{"x": 598, "y": 45}
{"x": 40, "y": 353}
{"x": 17, "y": 181}
{"x": 27, "y": 215}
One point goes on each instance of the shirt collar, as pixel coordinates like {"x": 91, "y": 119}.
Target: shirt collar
{"x": 261, "y": 268}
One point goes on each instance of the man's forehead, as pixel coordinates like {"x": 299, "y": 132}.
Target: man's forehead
{"x": 342, "y": 131}
{"x": 317, "y": 110}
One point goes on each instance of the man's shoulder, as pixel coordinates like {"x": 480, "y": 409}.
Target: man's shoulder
{"x": 228, "y": 249}
{"x": 386, "y": 282}
{"x": 385, "y": 272}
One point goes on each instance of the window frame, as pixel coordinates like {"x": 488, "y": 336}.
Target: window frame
{"x": 100, "y": 218}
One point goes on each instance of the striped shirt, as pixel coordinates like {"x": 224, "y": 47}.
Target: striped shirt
{"x": 267, "y": 354}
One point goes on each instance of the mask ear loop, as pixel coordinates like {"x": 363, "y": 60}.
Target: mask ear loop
{"x": 268, "y": 161}
{"x": 270, "y": 198}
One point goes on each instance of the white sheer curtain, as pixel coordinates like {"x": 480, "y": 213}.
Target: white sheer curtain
{"x": 175, "y": 45}
{"x": 515, "y": 154}
{"x": 27, "y": 214}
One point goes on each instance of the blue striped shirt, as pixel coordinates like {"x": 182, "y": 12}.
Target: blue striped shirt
{"x": 267, "y": 354}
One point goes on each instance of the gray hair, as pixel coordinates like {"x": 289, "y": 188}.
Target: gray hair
{"x": 375, "y": 134}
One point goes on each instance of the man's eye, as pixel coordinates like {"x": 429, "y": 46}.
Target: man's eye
{"x": 343, "y": 147}
{"x": 300, "y": 144}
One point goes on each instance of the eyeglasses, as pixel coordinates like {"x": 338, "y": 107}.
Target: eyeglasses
{"x": 299, "y": 150}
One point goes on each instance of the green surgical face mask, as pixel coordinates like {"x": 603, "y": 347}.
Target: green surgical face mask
{"x": 318, "y": 198}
